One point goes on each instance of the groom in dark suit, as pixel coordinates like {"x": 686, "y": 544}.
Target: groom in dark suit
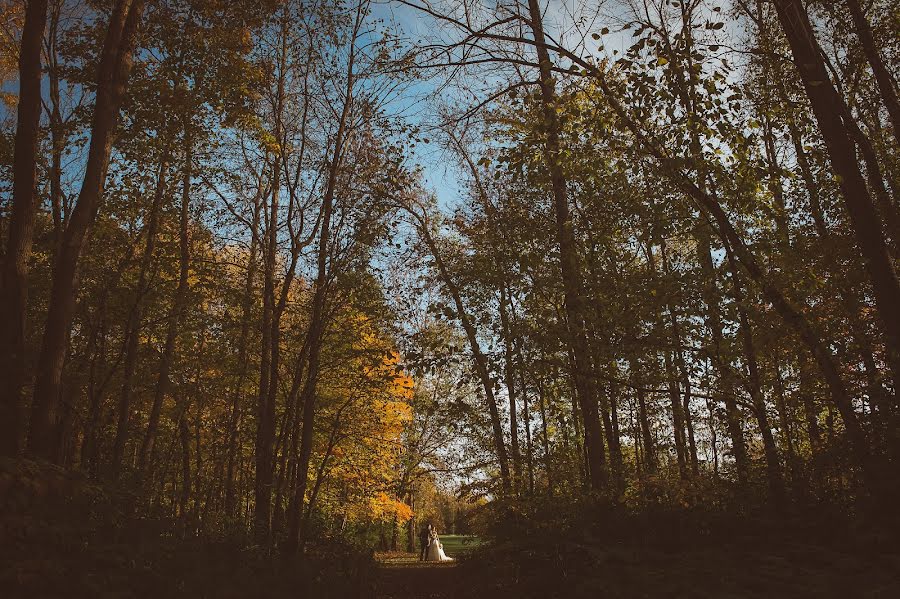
{"x": 424, "y": 540}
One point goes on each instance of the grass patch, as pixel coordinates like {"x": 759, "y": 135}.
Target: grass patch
{"x": 459, "y": 545}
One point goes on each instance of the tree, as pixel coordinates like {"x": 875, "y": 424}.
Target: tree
{"x": 112, "y": 79}
{"x": 13, "y": 281}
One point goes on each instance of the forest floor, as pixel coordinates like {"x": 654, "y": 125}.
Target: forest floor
{"x": 798, "y": 571}
{"x": 403, "y": 576}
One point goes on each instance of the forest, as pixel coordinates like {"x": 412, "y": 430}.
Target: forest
{"x": 609, "y": 287}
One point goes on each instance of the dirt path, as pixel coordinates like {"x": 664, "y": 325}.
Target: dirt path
{"x": 402, "y": 576}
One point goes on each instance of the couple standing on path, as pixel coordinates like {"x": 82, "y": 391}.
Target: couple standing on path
{"x": 431, "y": 548}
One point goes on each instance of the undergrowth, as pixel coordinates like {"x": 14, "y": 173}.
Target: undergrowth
{"x": 62, "y": 535}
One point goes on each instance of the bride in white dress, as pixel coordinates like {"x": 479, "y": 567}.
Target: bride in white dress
{"x": 436, "y": 550}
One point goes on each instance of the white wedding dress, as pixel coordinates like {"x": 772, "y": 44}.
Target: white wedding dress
{"x": 436, "y": 552}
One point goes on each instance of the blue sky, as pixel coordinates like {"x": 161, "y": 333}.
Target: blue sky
{"x": 577, "y": 17}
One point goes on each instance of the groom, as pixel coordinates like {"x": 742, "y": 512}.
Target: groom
{"x": 424, "y": 540}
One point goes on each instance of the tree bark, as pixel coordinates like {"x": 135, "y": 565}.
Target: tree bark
{"x": 681, "y": 366}
{"x": 176, "y": 312}
{"x": 243, "y": 348}
{"x": 529, "y": 440}
{"x": 883, "y": 78}
{"x": 773, "y": 465}
{"x": 184, "y": 496}
{"x": 265, "y": 410}
{"x": 828, "y": 108}
{"x": 317, "y": 322}
{"x": 569, "y": 263}
{"x": 711, "y": 207}
{"x": 509, "y": 379}
{"x": 316, "y": 331}
{"x": 809, "y": 181}
{"x": 135, "y": 317}
{"x": 671, "y": 376}
{"x": 57, "y": 134}
{"x": 14, "y": 275}
{"x": 787, "y": 433}
{"x": 796, "y": 320}
{"x": 481, "y": 362}
{"x": 234, "y": 418}
{"x": 726, "y": 377}
{"x": 112, "y": 79}
{"x": 649, "y": 447}
{"x": 713, "y": 435}
{"x": 545, "y": 441}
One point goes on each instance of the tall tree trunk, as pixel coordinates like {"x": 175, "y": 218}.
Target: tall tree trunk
{"x": 545, "y": 440}
{"x": 811, "y": 411}
{"x": 317, "y": 318}
{"x": 828, "y": 108}
{"x": 710, "y": 205}
{"x": 713, "y": 435}
{"x": 526, "y": 407}
{"x": 781, "y": 214}
{"x": 333, "y": 439}
{"x": 505, "y": 302}
{"x": 681, "y": 365}
{"x": 509, "y": 379}
{"x": 773, "y": 466}
{"x": 96, "y": 349}
{"x": 610, "y": 426}
{"x": 14, "y": 275}
{"x": 569, "y": 263}
{"x": 726, "y": 377}
{"x": 671, "y": 376}
{"x": 613, "y": 443}
{"x": 268, "y": 373}
{"x": 529, "y": 441}
{"x": 234, "y": 418}
{"x": 809, "y": 181}
{"x": 184, "y": 496}
{"x": 176, "y": 312}
{"x": 613, "y": 390}
{"x": 280, "y": 470}
{"x": 646, "y": 434}
{"x": 677, "y": 421}
{"x": 883, "y": 78}
{"x": 787, "y": 434}
{"x": 57, "y": 133}
{"x": 851, "y": 300}
{"x": 91, "y": 439}
{"x": 96, "y": 390}
{"x": 884, "y": 203}
{"x": 112, "y": 78}
{"x": 265, "y": 413}
{"x": 135, "y": 317}
{"x": 295, "y": 427}
{"x": 274, "y": 374}
{"x": 480, "y": 360}
{"x": 315, "y": 333}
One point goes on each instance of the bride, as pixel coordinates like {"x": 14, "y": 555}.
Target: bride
{"x": 436, "y": 549}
